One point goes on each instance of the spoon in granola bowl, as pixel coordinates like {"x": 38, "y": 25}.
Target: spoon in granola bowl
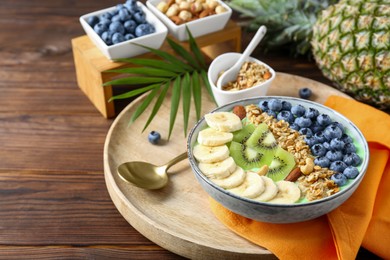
{"x": 230, "y": 74}
{"x": 146, "y": 175}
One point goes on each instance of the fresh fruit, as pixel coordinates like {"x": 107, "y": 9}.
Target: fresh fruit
{"x": 337, "y": 144}
{"x": 338, "y": 166}
{"x": 298, "y": 110}
{"x": 246, "y": 157}
{"x": 286, "y": 116}
{"x": 269, "y": 192}
{"x": 303, "y": 122}
{"x": 210, "y": 154}
{"x": 154, "y": 137}
{"x": 233, "y": 180}
{"x": 212, "y": 137}
{"x": 339, "y": 178}
{"x": 352, "y": 159}
{"x": 305, "y": 93}
{"x": 218, "y": 170}
{"x": 275, "y": 105}
{"x": 253, "y": 186}
{"x": 223, "y": 121}
{"x": 243, "y": 135}
{"x": 318, "y": 150}
{"x": 351, "y": 172}
{"x": 323, "y": 120}
{"x": 262, "y": 140}
{"x": 334, "y": 155}
{"x": 124, "y": 23}
{"x": 312, "y": 113}
{"x": 332, "y": 131}
{"x": 322, "y": 161}
{"x": 281, "y": 165}
{"x": 288, "y": 192}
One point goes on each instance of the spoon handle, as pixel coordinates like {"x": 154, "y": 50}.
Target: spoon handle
{"x": 253, "y": 44}
{"x": 176, "y": 160}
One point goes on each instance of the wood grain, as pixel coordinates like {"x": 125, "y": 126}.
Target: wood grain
{"x": 54, "y": 202}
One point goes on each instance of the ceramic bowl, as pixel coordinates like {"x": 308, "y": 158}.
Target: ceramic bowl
{"x": 198, "y": 27}
{"x": 224, "y": 62}
{"x": 127, "y": 49}
{"x": 281, "y": 213}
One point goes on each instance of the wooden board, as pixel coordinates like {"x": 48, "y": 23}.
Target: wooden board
{"x": 178, "y": 216}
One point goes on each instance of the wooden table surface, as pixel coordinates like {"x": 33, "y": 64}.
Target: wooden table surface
{"x": 53, "y": 198}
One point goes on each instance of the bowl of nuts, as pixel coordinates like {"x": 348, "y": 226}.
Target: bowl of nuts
{"x": 201, "y": 16}
{"x": 277, "y": 159}
{"x": 253, "y": 79}
{"x": 117, "y": 30}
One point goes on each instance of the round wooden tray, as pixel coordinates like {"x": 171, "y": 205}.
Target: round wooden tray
{"x": 178, "y": 216}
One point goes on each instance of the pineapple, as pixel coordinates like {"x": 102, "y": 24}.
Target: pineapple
{"x": 350, "y": 40}
{"x": 351, "y": 45}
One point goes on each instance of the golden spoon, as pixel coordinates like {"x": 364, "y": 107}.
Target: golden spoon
{"x": 146, "y": 175}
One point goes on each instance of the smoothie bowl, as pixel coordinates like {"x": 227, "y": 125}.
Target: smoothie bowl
{"x": 277, "y": 159}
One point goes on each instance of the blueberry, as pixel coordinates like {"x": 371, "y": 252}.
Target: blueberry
{"x": 322, "y": 162}
{"x": 99, "y": 28}
{"x": 106, "y": 16}
{"x": 334, "y": 155}
{"x": 93, "y": 20}
{"x": 294, "y": 127}
{"x": 144, "y": 29}
{"x": 316, "y": 127}
{"x": 338, "y": 166}
{"x": 324, "y": 120}
{"x": 106, "y": 22}
{"x": 312, "y": 113}
{"x": 339, "y": 179}
{"x": 337, "y": 144}
{"x": 131, "y": 5}
{"x": 339, "y": 125}
{"x": 116, "y": 18}
{"x": 124, "y": 15}
{"x": 306, "y": 131}
{"x": 318, "y": 150}
{"x": 311, "y": 141}
{"x": 303, "y": 122}
{"x": 346, "y": 139}
{"x": 326, "y": 145}
{"x": 286, "y": 116}
{"x": 139, "y": 17}
{"x": 351, "y": 172}
{"x": 117, "y": 38}
{"x": 271, "y": 113}
{"x": 130, "y": 26}
{"x": 119, "y": 7}
{"x": 349, "y": 148}
{"x": 320, "y": 137}
{"x": 332, "y": 131}
{"x": 275, "y": 105}
{"x": 154, "y": 137}
{"x": 117, "y": 27}
{"x": 298, "y": 110}
{"x": 264, "y": 105}
{"x": 107, "y": 37}
{"x": 286, "y": 105}
{"x": 129, "y": 36}
{"x": 352, "y": 159}
{"x": 305, "y": 93}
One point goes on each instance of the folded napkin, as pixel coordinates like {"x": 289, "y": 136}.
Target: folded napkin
{"x": 363, "y": 220}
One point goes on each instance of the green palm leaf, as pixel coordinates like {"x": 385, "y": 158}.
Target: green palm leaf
{"x": 146, "y": 72}
{"x": 135, "y": 81}
{"x": 134, "y": 93}
{"x": 180, "y": 50}
{"x": 141, "y": 108}
{"x": 186, "y": 100}
{"x": 197, "y": 92}
{"x": 175, "y": 99}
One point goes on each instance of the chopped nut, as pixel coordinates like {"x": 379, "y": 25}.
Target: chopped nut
{"x": 185, "y": 15}
{"x": 239, "y": 111}
{"x": 293, "y": 175}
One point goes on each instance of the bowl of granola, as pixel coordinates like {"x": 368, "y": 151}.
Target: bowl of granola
{"x": 253, "y": 79}
{"x": 277, "y": 159}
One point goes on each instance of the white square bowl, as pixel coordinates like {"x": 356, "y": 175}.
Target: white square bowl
{"x": 199, "y": 27}
{"x": 127, "y": 49}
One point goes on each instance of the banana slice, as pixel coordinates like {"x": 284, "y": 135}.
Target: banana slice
{"x": 212, "y": 137}
{"x": 270, "y": 190}
{"x": 223, "y": 121}
{"x": 218, "y": 170}
{"x": 288, "y": 193}
{"x": 253, "y": 186}
{"x": 235, "y": 179}
{"x": 210, "y": 154}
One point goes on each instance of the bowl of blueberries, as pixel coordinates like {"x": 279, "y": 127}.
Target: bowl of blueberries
{"x": 122, "y": 30}
{"x": 330, "y": 158}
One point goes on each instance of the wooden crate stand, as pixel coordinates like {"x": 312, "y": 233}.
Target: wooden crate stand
{"x": 91, "y": 64}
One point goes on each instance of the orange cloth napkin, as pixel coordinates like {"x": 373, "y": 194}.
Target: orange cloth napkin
{"x": 363, "y": 220}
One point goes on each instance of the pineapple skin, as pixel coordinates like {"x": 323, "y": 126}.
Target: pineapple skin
{"x": 351, "y": 46}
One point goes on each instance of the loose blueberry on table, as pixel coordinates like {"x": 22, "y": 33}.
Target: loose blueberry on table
{"x": 126, "y": 22}
{"x": 154, "y": 137}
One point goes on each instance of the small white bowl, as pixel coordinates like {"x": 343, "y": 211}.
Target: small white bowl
{"x": 224, "y": 62}
{"x": 199, "y": 27}
{"x": 127, "y": 49}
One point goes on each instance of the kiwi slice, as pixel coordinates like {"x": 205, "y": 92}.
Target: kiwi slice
{"x": 241, "y": 136}
{"x": 246, "y": 157}
{"x": 282, "y": 164}
{"x": 262, "y": 140}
